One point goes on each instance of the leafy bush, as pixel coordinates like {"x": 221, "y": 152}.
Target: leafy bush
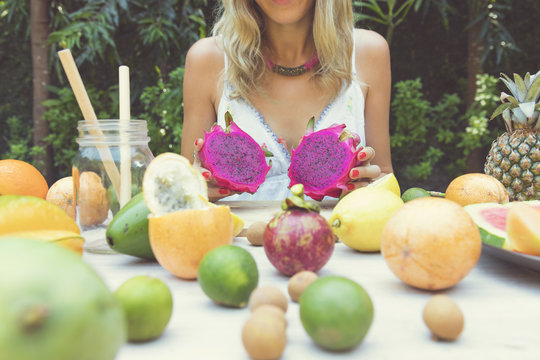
{"x": 20, "y": 142}
{"x": 432, "y": 141}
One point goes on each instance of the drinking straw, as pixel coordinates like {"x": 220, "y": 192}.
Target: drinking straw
{"x": 125, "y": 116}
{"x": 74, "y": 78}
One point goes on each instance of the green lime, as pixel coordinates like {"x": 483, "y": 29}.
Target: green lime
{"x": 148, "y": 305}
{"x": 414, "y": 193}
{"x": 336, "y": 312}
{"x": 228, "y": 274}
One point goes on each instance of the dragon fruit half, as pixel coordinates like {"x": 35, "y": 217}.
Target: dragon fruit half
{"x": 236, "y": 161}
{"x": 323, "y": 159}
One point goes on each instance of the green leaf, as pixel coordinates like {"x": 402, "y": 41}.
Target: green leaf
{"x": 500, "y": 110}
{"x": 534, "y": 90}
{"x": 521, "y": 88}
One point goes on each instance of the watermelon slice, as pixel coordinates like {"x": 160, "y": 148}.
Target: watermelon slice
{"x": 491, "y": 220}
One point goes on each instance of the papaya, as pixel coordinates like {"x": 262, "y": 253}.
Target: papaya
{"x": 127, "y": 233}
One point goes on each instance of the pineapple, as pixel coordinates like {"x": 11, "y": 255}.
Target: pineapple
{"x": 514, "y": 158}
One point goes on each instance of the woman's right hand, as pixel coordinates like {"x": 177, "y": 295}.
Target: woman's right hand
{"x": 215, "y": 192}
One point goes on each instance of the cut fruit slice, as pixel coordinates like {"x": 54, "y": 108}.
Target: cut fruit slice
{"x": 171, "y": 183}
{"x": 491, "y": 220}
{"x": 523, "y": 228}
{"x": 388, "y": 182}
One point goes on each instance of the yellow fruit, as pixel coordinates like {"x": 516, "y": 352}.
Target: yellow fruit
{"x": 238, "y": 223}
{"x": 171, "y": 183}
{"x": 180, "y": 239}
{"x": 388, "y": 182}
{"x": 523, "y": 229}
{"x": 443, "y": 317}
{"x": 68, "y": 239}
{"x": 61, "y": 194}
{"x": 92, "y": 200}
{"x": 359, "y": 217}
{"x": 20, "y": 178}
{"x": 431, "y": 243}
{"x": 27, "y": 213}
{"x": 476, "y": 188}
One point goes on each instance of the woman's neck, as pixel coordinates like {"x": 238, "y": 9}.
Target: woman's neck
{"x": 289, "y": 45}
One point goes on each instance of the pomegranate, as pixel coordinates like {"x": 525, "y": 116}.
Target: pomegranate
{"x": 298, "y": 238}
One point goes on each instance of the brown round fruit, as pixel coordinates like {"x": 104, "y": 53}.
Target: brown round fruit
{"x": 476, "y": 188}
{"x": 267, "y": 294}
{"x": 264, "y": 337}
{"x": 431, "y": 243}
{"x": 61, "y": 194}
{"x": 255, "y": 233}
{"x": 443, "y": 317}
{"x": 272, "y": 310}
{"x": 299, "y": 282}
{"x": 92, "y": 199}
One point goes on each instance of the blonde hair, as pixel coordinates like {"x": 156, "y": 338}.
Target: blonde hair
{"x": 240, "y": 25}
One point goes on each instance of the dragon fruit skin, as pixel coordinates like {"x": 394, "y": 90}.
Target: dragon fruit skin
{"x": 235, "y": 160}
{"x": 322, "y": 161}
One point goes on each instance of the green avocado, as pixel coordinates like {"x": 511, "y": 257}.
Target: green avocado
{"x": 128, "y": 231}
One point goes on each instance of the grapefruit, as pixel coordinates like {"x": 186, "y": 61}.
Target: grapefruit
{"x": 476, "y": 188}
{"x": 431, "y": 243}
{"x": 21, "y": 178}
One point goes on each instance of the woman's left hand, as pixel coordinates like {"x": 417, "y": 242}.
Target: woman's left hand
{"x": 365, "y": 173}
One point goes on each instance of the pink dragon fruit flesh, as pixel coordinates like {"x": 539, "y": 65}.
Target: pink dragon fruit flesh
{"x": 235, "y": 160}
{"x": 323, "y": 159}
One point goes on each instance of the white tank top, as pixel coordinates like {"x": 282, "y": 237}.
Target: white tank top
{"x": 347, "y": 108}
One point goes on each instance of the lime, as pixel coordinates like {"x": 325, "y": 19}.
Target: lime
{"x": 336, "y": 312}
{"x": 148, "y": 305}
{"x": 228, "y": 274}
{"x": 414, "y": 193}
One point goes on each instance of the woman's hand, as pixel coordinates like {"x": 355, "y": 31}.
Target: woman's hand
{"x": 215, "y": 192}
{"x": 365, "y": 173}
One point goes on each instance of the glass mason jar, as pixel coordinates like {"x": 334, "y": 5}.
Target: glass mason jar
{"x": 107, "y": 171}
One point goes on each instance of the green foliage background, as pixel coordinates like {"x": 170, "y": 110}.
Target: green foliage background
{"x": 432, "y": 131}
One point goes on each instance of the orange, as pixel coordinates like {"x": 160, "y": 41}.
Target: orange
{"x": 180, "y": 239}
{"x": 431, "y": 243}
{"x": 92, "y": 199}
{"x": 20, "y": 178}
{"x": 476, "y": 188}
{"x": 61, "y": 194}
{"x": 27, "y": 213}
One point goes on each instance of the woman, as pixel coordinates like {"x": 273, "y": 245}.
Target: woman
{"x": 345, "y": 79}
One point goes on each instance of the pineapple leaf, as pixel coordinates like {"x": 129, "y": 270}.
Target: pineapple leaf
{"x": 527, "y": 79}
{"x": 519, "y": 116}
{"x": 537, "y": 107}
{"x": 534, "y": 90}
{"x": 509, "y": 84}
{"x": 507, "y": 120}
{"x": 527, "y": 109}
{"x": 505, "y": 97}
{"x": 520, "y": 86}
{"x": 498, "y": 111}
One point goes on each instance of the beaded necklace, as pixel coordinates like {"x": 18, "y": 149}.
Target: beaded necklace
{"x": 293, "y": 71}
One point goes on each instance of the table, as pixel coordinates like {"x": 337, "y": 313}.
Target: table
{"x": 500, "y": 302}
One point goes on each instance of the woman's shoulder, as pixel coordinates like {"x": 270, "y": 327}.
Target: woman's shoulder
{"x": 369, "y": 42}
{"x": 206, "y": 53}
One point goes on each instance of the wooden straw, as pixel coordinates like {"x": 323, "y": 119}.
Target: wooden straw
{"x": 125, "y": 116}
{"x": 89, "y": 115}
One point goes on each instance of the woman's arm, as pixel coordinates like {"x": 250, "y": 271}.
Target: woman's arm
{"x": 373, "y": 69}
{"x": 202, "y": 89}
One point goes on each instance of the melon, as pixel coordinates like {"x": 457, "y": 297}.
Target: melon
{"x": 491, "y": 220}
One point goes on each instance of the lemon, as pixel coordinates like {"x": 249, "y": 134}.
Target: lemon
{"x": 238, "y": 223}
{"x": 359, "y": 218}
{"x": 171, "y": 183}
{"x": 228, "y": 274}
{"x": 388, "y": 182}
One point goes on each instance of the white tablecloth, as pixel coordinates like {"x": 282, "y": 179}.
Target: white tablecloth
{"x": 500, "y": 302}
